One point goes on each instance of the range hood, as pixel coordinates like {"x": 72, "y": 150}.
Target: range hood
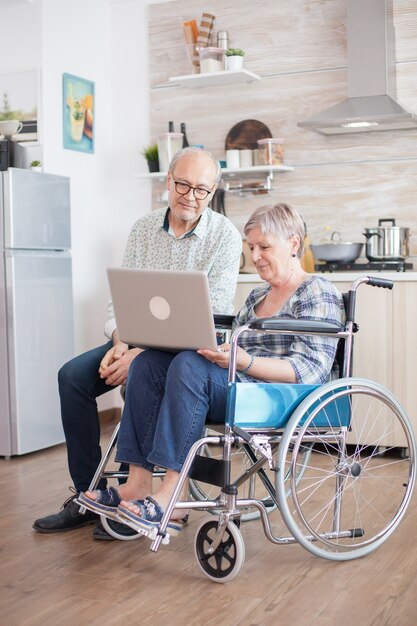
{"x": 371, "y": 104}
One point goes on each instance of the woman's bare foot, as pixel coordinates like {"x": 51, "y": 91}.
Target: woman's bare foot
{"x": 124, "y": 491}
{"x": 137, "y": 486}
{"x": 161, "y": 498}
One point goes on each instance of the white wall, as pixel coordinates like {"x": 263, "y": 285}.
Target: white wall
{"x": 71, "y": 44}
{"x": 104, "y": 41}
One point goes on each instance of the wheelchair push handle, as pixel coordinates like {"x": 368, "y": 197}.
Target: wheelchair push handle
{"x": 380, "y": 282}
{"x": 373, "y": 281}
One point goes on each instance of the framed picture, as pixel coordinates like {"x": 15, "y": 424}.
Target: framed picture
{"x": 19, "y": 100}
{"x": 78, "y": 112}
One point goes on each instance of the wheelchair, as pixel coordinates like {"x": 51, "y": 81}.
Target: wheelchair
{"x": 337, "y": 461}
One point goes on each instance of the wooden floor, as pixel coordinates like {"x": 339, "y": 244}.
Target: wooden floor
{"x": 68, "y": 578}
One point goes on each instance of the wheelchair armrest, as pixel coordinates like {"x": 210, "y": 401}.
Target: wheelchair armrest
{"x": 295, "y": 326}
{"x": 223, "y": 321}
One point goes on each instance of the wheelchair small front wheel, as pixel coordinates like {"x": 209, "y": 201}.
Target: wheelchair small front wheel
{"x": 225, "y": 562}
{"x": 120, "y": 531}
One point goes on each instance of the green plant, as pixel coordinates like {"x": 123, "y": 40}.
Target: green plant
{"x": 151, "y": 152}
{"x": 35, "y": 163}
{"x": 235, "y": 52}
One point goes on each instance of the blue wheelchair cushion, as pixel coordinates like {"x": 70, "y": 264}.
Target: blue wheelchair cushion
{"x": 271, "y": 405}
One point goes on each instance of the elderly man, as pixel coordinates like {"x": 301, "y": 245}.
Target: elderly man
{"x": 187, "y": 235}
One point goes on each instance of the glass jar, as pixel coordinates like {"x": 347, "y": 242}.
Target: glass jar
{"x": 271, "y": 151}
{"x": 168, "y": 145}
{"x": 211, "y": 60}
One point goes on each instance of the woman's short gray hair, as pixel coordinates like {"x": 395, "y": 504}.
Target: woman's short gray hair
{"x": 280, "y": 221}
{"x": 192, "y": 150}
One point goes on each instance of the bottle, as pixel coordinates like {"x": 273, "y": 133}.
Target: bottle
{"x": 307, "y": 260}
{"x": 223, "y": 39}
{"x": 170, "y": 127}
{"x": 185, "y": 143}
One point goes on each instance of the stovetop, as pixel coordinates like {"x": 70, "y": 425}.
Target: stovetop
{"x": 375, "y": 266}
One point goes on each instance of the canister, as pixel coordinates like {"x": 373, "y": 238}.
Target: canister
{"x": 211, "y": 59}
{"x": 168, "y": 145}
{"x": 271, "y": 151}
{"x": 223, "y": 39}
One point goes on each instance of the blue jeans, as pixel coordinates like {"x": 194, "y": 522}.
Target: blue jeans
{"x": 168, "y": 399}
{"x": 79, "y": 386}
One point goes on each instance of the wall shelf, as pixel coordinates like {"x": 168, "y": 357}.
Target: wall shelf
{"x": 225, "y": 77}
{"x": 227, "y": 172}
{"x": 232, "y": 178}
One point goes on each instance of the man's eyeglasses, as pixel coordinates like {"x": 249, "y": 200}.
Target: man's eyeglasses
{"x": 198, "y": 192}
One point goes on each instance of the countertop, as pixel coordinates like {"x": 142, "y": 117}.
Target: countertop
{"x": 344, "y": 277}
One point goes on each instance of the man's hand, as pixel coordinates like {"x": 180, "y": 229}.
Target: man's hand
{"x": 116, "y": 362}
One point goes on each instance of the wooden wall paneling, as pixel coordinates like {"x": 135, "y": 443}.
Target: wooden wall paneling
{"x": 347, "y": 198}
{"x": 405, "y": 29}
{"x": 303, "y": 35}
{"x": 280, "y": 102}
{"x": 279, "y": 37}
{"x": 299, "y": 49}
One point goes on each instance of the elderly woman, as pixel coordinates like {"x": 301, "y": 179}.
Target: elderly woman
{"x": 170, "y": 396}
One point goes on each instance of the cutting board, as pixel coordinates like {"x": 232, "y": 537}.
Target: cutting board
{"x": 245, "y": 135}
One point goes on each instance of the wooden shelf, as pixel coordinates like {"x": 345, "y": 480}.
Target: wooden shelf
{"x": 226, "y": 77}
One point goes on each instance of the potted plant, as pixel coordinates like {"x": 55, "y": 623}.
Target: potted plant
{"x": 36, "y": 166}
{"x": 234, "y": 58}
{"x": 151, "y": 155}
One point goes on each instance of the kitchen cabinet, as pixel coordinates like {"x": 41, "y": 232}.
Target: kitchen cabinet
{"x": 385, "y": 345}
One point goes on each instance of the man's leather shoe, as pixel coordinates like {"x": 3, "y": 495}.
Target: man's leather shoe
{"x": 122, "y": 529}
{"x": 101, "y": 533}
{"x": 69, "y": 518}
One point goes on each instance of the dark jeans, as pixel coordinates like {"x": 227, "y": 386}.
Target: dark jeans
{"x": 79, "y": 386}
{"x": 168, "y": 399}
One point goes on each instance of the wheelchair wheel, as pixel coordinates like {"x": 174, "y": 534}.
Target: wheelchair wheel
{"x": 303, "y": 461}
{"x": 351, "y": 496}
{"x": 120, "y": 531}
{"x": 252, "y": 488}
{"x": 225, "y": 563}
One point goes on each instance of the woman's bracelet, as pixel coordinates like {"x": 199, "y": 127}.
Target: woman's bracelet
{"x": 247, "y": 368}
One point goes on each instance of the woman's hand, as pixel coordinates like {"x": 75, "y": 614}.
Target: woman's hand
{"x": 222, "y": 356}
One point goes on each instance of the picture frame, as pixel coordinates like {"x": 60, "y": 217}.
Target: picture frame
{"x": 19, "y": 100}
{"x": 78, "y": 113}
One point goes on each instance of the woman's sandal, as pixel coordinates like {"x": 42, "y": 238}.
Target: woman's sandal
{"x": 149, "y": 518}
{"x": 106, "y": 502}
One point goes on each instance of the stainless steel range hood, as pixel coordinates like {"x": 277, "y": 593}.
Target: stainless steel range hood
{"x": 371, "y": 104}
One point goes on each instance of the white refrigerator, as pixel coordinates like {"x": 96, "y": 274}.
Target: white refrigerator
{"x": 36, "y": 307}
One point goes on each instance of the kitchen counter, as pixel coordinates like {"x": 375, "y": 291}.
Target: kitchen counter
{"x": 344, "y": 276}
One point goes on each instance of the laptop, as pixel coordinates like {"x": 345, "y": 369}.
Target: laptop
{"x": 163, "y": 309}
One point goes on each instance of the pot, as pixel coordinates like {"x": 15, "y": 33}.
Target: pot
{"x": 387, "y": 243}
{"x": 337, "y": 251}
